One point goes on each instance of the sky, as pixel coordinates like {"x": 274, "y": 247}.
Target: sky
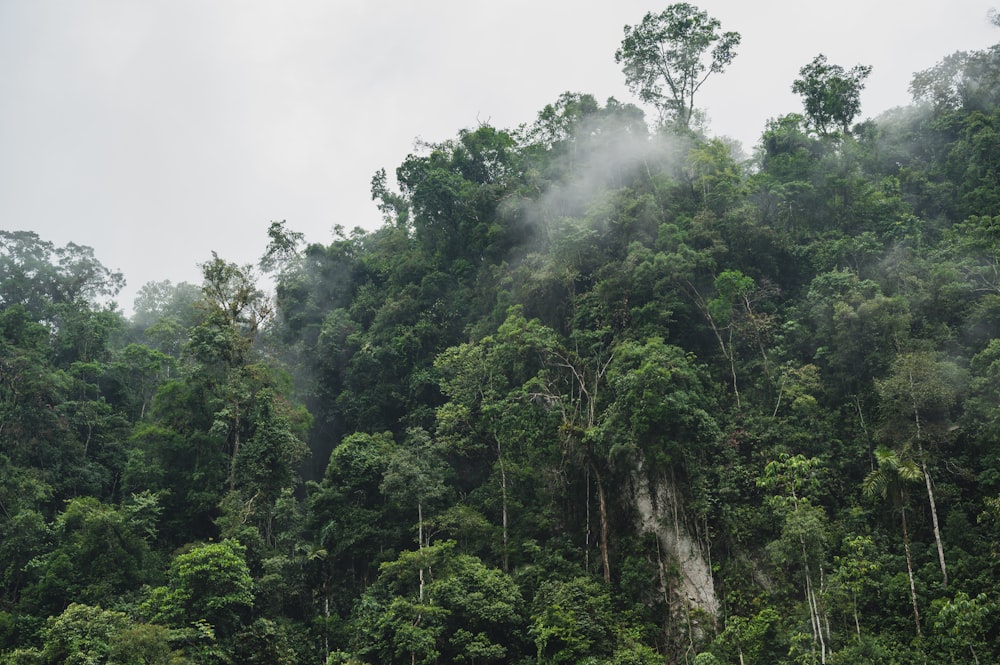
{"x": 158, "y": 132}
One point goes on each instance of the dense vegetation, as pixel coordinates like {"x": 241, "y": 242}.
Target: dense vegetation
{"x": 595, "y": 392}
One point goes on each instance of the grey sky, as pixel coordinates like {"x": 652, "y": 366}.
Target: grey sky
{"x": 159, "y": 131}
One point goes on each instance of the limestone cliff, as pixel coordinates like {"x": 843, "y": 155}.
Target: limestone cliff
{"x": 661, "y": 512}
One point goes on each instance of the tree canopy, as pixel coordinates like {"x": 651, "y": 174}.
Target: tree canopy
{"x": 595, "y": 392}
{"x": 668, "y": 57}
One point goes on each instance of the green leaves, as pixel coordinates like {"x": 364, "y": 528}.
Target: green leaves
{"x": 115, "y": 541}
{"x": 668, "y": 57}
{"x": 211, "y": 582}
{"x": 85, "y": 634}
{"x": 891, "y": 470}
{"x": 831, "y": 95}
{"x": 571, "y": 620}
{"x": 467, "y": 612}
{"x": 37, "y": 274}
{"x": 659, "y": 401}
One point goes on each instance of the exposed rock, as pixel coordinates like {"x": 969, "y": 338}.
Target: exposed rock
{"x": 661, "y": 512}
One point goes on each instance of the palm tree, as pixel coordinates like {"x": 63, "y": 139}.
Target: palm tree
{"x": 888, "y": 481}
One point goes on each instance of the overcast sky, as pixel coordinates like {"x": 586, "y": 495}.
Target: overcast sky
{"x": 159, "y": 131}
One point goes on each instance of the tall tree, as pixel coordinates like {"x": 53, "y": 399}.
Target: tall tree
{"x": 791, "y": 480}
{"x": 888, "y": 480}
{"x": 916, "y": 399}
{"x": 669, "y": 56}
{"x": 35, "y": 273}
{"x": 831, "y": 94}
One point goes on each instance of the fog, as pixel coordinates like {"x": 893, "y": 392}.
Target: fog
{"x": 157, "y": 133}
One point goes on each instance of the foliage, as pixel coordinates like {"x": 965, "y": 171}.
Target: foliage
{"x": 668, "y": 57}
{"x": 831, "y": 95}
{"x": 596, "y": 392}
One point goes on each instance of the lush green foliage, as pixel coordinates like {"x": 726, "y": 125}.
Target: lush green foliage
{"x": 594, "y": 393}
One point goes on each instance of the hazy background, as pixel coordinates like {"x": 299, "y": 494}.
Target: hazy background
{"x": 156, "y": 132}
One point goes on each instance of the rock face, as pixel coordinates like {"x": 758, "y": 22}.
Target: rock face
{"x": 660, "y": 512}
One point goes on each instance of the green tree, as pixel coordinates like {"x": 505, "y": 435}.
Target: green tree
{"x": 282, "y": 250}
{"x": 792, "y": 479}
{"x": 962, "y": 81}
{"x": 888, "y": 481}
{"x": 854, "y": 573}
{"x": 269, "y": 460}
{"x": 493, "y": 405}
{"x": 753, "y": 639}
{"x": 415, "y": 476}
{"x": 468, "y": 613}
{"x": 917, "y": 398}
{"x": 115, "y": 543}
{"x": 209, "y": 583}
{"x": 831, "y": 94}
{"x": 163, "y": 312}
{"x": 90, "y": 635}
{"x": 960, "y": 623}
{"x": 235, "y": 308}
{"x": 454, "y": 192}
{"x": 37, "y": 274}
{"x": 351, "y": 527}
{"x": 571, "y": 620}
{"x": 669, "y": 56}
{"x": 138, "y": 371}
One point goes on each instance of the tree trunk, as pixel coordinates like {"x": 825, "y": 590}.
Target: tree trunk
{"x": 934, "y": 519}
{"x": 236, "y": 445}
{"x": 420, "y": 544}
{"x": 930, "y": 489}
{"x": 727, "y": 349}
{"x": 503, "y": 511}
{"x": 909, "y": 572}
{"x": 603, "y": 505}
{"x": 854, "y": 608}
{"x": 814, "y": 612}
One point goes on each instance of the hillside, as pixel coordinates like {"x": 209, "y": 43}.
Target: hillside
{"x": 601, "y": 389}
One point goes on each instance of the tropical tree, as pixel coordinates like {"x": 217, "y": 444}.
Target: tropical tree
{"x": 209, "y": 583}
{"x": 415, "y": 477}
{"x": 917, "y": 398}
{"x": 888, "y": 481}
{"x": 791, "y": 480}
{"x": 831, "y": 94}
{"x": 669, "y": 56}
{"x": 469, "y": 612}
{"x": 85, "y": 634}
{"x": 37, "y": 274}
{"x": 571, "y": 620}
{"x": 960, "y": 624}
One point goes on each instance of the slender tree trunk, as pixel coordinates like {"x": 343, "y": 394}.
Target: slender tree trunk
{"x": 236, "y": 445}
{"x": 934, "y": 518}
{"x": 814, "y": 611}
{"x": 854, "y": 608}
{"x": 603, "y": 505}
{"x": 326, "y": 615}
{"x": 503, "y": 495}
{"x": 727, "y": 350}
{"x": 86, "y": 444}
{"x": 930, "y": 488}
{"x": 420, "y": 544}
{"x": 909, "y": 572}
{"x": 586, "y": 535}
{"x": 864, "y": 428}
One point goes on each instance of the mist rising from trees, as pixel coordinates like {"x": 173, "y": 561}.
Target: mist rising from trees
{"x": 599, "y": 390}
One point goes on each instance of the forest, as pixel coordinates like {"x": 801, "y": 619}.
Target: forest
{"x": 601, "y": 389}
